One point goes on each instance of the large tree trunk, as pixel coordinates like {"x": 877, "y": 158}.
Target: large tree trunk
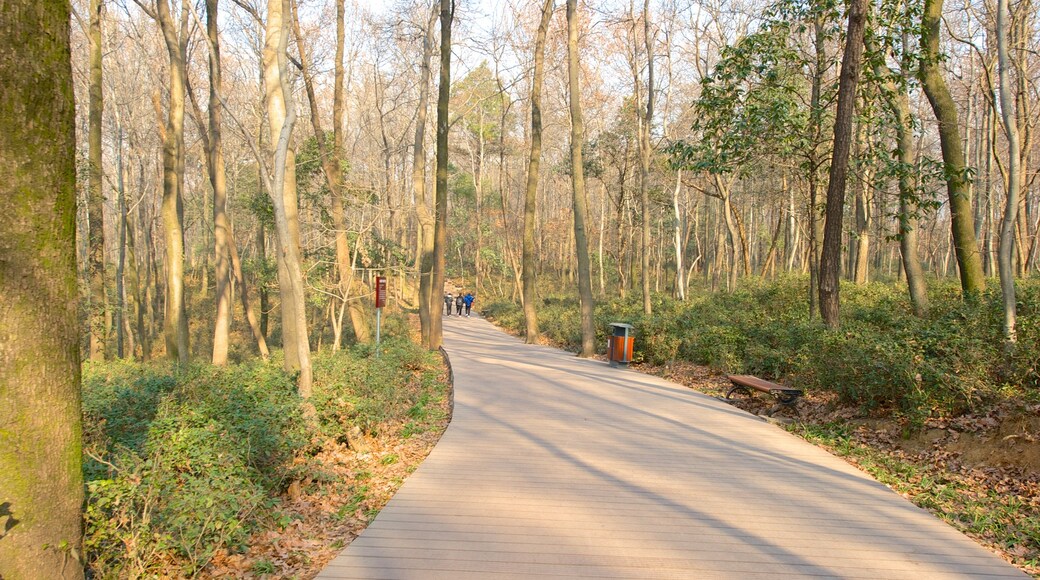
{"x": 680, "y": 272}
{"x": 175, "y": 328}
{"x": 530, "y": 265}
{"x": 282, "y": 116}
{"x": 218, "y": 181}
{"x": 830, "y": 261}
{"x": 588, "y": 328}
{"x": 969, "y": 262}
{"x": 440, "y": 237}
{"x": 429, "y": 301}
{"x": 41, "y": 486}
{"x": 1007, "y": 226}
{"x": 95, "y": 198}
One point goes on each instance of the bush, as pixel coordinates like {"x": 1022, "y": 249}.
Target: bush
{"x": 883, "y": 358}
{"x": 179, "y": 464}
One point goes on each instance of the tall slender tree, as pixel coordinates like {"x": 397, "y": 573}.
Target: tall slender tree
{"x": 965, "y": 246}
{"x": 440, "y": 237}
{"x": 95, "y": 198}
{"x": 581, "y": 244}
{"x": 175, "y": 328}
{"x": 1014, "y": 182}
{"x": 830, "y": 261}
{"x": 41, "y": 489}
{"x": 282, "y": 119}
{"x": 530, "y": 265}
{"x": 429, "y": 301}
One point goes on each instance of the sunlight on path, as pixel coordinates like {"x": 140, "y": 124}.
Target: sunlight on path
{"x": 559, "y": 467}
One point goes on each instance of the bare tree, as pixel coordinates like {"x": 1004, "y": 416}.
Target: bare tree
{"x": 588, "y": 328}
{"x": 440, "y": 238}
{"x": 530, "y": 267}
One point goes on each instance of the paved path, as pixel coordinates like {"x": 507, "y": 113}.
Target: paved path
{"x": 559, "y": 467}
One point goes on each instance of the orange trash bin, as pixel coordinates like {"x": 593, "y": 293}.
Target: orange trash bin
{"x": 620, "y": 344}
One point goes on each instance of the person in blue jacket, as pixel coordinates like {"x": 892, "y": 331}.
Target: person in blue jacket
{"x": 468, "y": 300}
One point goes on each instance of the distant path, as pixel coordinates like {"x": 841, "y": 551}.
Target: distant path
{"x": 559, "y": 467}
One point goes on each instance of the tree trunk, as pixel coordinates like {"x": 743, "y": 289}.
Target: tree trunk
{"x": 440, "y": 237}
{"x": 644, "y": 157}
{"x": 680, "y": 278}
{"x": 243, "y": 290}
{"x": 175, "y": 328}
{"x": 530, "y": 267}
{"x": 41, "y": 489}
{"x": 282, "y": 116}
{"x": 95, "y": 197}
{"x": 429, "y": 301}
{"x": 1007, "y": 226}
{"x": 588, "y": 328}
{"x": 969, "y": 262}
{"x": 218, "y": 181}
{"x": 899, "y": 104}
{"x": 863, "y": 219}
{"x": 830, "y": 261}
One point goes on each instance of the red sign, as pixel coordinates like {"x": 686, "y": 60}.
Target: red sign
{"x": 380, "y": 291}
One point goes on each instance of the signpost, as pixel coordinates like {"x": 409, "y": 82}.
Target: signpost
{"x": 380, "y": 303}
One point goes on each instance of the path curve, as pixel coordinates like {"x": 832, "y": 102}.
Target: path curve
{"x": 559, "y": 467}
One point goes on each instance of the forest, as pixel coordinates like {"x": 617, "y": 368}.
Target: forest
{"x": 840, "y": 195}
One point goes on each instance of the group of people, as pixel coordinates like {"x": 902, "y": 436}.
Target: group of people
{"x": 461, "y": 301}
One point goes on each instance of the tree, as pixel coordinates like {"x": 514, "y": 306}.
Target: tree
{"x": 588, "y": 328}
{"x": 956, "y": 173}
{"x": 95, "y": 198}
{"x": 1014, "y": 183}
{"x": 218, "y": 181}
{"x": 440, "y": 236}
{"x": 41, "y": 489}
{"x": 175, "y": 328}
{"x": 281, "y": 113}
{"x": 830, "y": 262}
{"x": 332, "y": 163}
{"x": 429, "y": 301}
{"x": 530, "y": 267}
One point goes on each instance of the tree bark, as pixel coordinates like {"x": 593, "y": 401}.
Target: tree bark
{"x": 899, "y": 104}
{"x": 429, "y": 301}
{"x": 969, "y": 263}
{"x": 830, "y": 261}
{"x": 1007, "y": 226}
{"x": 282, "y": 116}
{"x": 440, "y": 237}
{"x": 41, "y": 486}
{"x": 647, "y": 117}
{"x": 218, "y": 181}
{"x": 95, "y": 197}
{"x": 588, "y": 328}
{"x": 530, "y": 266}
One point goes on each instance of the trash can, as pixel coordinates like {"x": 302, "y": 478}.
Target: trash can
{"x": 621, "y": 342}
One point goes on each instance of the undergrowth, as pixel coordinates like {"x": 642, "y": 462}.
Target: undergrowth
{"x": 184, "y": 462}
{"x": 883, "y": 359}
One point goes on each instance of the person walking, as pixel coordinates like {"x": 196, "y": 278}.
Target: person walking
{"x": 447, "y": 303}
{"x": 458, "y": 304}
{"x": 468, "y": 299}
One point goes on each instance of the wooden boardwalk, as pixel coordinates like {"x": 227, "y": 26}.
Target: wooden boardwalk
{"x": 559, "y": 467}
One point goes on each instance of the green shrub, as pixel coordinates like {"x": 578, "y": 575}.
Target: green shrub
{"x": 182, "y": 463}
{"x": 883, "y": 358}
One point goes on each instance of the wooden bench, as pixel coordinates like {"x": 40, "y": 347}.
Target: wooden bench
{"x": 745, "y": 383}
